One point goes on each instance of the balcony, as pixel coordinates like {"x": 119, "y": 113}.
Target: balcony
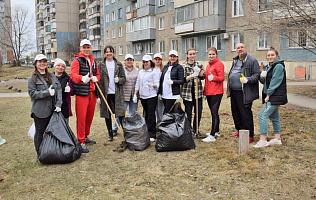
{"x": 53, "y": 10}
{"x": 96, "y": 47}
{"x": 148, "y": 9}
{"x": 82, "y": 11}
{"x": 147, "y": 34}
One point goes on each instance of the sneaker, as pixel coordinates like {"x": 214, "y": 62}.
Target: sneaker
{"x": 209, "y": 138}
{"x": 250, "y": 139}
{"x": 275, "y": 142}
{"x": 217, "y": 134}
{"x": 110, "y": 138}
{"x": 84, "y": 149}
{"x": 114, "y": 133}
{"x": 197, "y": 135}
{"x": 152, "y": 139}
{"x": 236, "y": 134}
{"x": 89, "y": 141}
{"x": 261, "y": 143}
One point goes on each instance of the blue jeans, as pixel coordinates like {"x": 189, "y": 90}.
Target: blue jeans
{"x": 271, "y": 112}
{"x": 132, "y": 108}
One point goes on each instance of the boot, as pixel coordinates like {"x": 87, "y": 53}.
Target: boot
{"x": 110, "y": 138}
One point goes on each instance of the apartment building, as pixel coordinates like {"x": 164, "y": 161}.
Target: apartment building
{"x": 57, "y": 28}
{"x": 6, "y": 54}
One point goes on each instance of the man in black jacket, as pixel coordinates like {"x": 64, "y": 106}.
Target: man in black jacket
{"x": 243, "y": 89}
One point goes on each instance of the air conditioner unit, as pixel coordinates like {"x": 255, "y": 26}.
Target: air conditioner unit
{"x": 225, "y": 36}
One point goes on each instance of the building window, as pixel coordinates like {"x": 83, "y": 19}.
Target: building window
{"x": 161, "y": 47}
{"x": 113, "y": 16}
{"x": 213, "y": 41}
{"x": 107, "y": 35}
{"x": 263, "y": 41}
{"x": 236, "y": 39}
{"x": 120, "y": 50}
{"x": 264, "y": 5}
{"x": 237, "y": 8}
{"x": 161, "y": 2}
{"x": 120, "y": 31}
{"x": 174, "y": 45}
{"x": 120, "y": 13}
{"x": 113, "y": 33}
{"x": 173, "y": 21}
{"x": 128, "y": 9}
{"x": 297, "y": 39}
{"x": 128, "y": 48}
{"x": 185, "y": 13}
{"x": 107, "y": 18}
{"x": 190, "y": 42}
{"x": 204, "y": 8}
{"x": 149, "y": 47}
{"x": 107, "y": 2}
{"x": 161, "y": 23}
{"x": 138, "y": 48}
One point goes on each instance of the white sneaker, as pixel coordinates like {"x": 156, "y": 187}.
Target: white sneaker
{"x": 209, "y": 138}
{"x": 217, "y": 134}
{"x": 275, "y": 141}
{"x": 207, "y": 134}
{"x": 261, "y": 143}
{"x": 152, "y": 139}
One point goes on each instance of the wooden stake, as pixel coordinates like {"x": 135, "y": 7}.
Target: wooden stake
{"x": 243, "y": 141}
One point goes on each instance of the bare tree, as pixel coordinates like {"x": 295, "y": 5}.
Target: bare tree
{"x": 71, "y": 46}
{"x": 17, "y": 33}
{"x": 293, "y": 19}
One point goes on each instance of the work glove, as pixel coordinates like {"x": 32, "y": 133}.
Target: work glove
{"x": 135, "y": 98}
{"x": 197, "y": 69}
{"x": 159, "y": 97}
{"x": 150, "y": 84}
{"x": 263, "y": 74}
{"x": 85, "y": 78}
{"x": 67, "y": 88}
{"x": 210, "y": 77}
{"x": 98, "y": 101}
{"x": 94, "y": 79}
{"x": 204, "y": 97}
{"x": 243, "y": 79}
{"x": 51, "y": 90}
{"x": 116, "y": 79}
{"x": 195, "y": 74}
{"x": 57, "y": 109}
{"x": 169, "y": 82}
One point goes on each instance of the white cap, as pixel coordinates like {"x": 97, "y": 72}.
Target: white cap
{"x": 127, "y": 56}
{"x": 40, "y": 57}
{"x": 59, "y": 61}
{"x": 173, "y": 52}
{"x": 158, "y": 55}
{"x": 85, "y": 41}
{"x": 147, "y": 58}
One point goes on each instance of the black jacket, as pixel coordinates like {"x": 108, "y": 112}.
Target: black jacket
{"x": 176, "y": 75}
{"x": 63, "y": 80}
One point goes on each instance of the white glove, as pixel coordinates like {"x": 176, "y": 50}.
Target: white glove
{"x": 116, "y": 79}
{"x": 135, "y": 98}
{"x": 197, "y": 69}
{"x": 244, "y": 80}
{"x": 51, "y": 91}
{"x": 263, "y": 74}
{"x": 98, "y": 101}
{"x": 94, "y": 79}
{"x": 67, "y": 88}
{"x": 85, "y": 78}
{"x": 210, "y": 77}
{"x": 195, "y": 74}
{"x": 169, "y": 82}
{"x": 204, "y": 97}
{"x": 150, "y": 84}
{"x": 57, "y": 109}
{"x": 159, "y": 97}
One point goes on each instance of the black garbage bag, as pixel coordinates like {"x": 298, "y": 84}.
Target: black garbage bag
{"x": 174, "y": 131}
{"x": 136, "y": 132}
{"x": 59, "y": 144}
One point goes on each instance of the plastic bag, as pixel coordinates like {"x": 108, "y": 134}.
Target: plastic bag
{"x": 31, "y": 131}
{"x": 136, "y": 132}
{"x": 174, "y": 131}
{"x": 59, "y": 144}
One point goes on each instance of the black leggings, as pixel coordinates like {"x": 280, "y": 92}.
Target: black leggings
{"x": 214, "y": 102}
{"x": 149, "y": 106}
{"x": 108, "y": 121}
{"x": 40, "y": 127}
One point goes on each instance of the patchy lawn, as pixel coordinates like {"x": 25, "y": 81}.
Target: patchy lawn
{"x": 309, "y": 91}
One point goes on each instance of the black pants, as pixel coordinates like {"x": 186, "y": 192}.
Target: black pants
{"x": 111, "y": 101}
{"x": 241, "y": 112}
{"x": 168, "y": 103}
{"x": 40, "y": 127}
{"x": 149, "y": 106}
{"x": 188, "y": 109}
{"x": 214, "y": 102}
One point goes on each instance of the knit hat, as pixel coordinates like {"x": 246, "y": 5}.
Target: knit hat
{"x": 59, "y": 61}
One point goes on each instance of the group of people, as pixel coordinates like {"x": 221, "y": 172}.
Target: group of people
{"x": 157, "y": 87}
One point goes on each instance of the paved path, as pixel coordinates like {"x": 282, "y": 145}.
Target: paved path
{"x": 294, "y": 99}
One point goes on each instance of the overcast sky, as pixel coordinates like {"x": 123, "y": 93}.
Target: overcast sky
{"x": 30, "y": 5}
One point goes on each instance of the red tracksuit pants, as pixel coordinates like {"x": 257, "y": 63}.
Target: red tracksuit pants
{"x": 85, "y": 106}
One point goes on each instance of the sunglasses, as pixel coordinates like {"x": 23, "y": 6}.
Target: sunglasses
{"x": 145, "y": 61}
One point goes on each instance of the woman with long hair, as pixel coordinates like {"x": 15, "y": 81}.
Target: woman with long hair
{"x": 172, "y": 77}
{"x": 111, "y": 84}
{"x": 45, "y": 92}
{"x": 192, "y": 70}
{"x": 158, "y": 69}
{"x": 146, "y": 84}
{"x": 213, "y": 90}
{"x": 274, "y": 94}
